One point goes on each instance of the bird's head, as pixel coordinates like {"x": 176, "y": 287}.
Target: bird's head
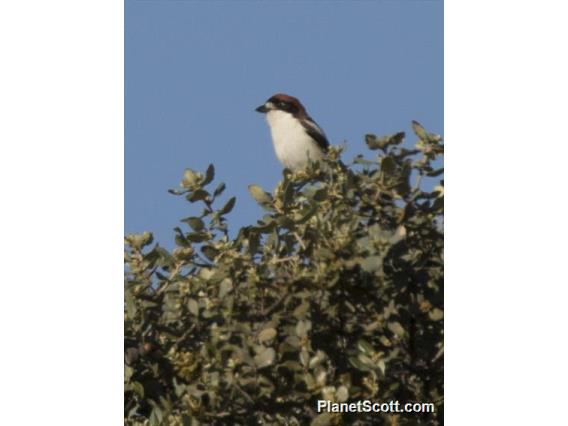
{"x": 285, "y": 103}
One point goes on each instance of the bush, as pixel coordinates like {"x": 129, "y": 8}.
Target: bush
{"x": 336, "y": 294}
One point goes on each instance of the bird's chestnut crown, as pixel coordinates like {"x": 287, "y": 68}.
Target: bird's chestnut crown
{"x": 283, "y": 102}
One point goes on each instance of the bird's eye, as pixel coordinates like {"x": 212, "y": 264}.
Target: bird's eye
{"x": 282, "y": 104}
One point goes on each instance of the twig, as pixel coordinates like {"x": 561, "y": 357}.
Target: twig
{"x": 243, "y": 393}
{"x": 275, "y": 305}
{"x": 284, "y": 259}
{"x": 183, "y": 336}
{"x": 418, "y": 181}
{"x": 169, "y": 281}
{"x": 300, "y": 240}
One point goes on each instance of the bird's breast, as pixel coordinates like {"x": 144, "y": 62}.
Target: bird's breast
{"x": 292, "y": 144}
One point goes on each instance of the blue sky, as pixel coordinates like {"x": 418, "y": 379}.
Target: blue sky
{"x": 195, "y": 71}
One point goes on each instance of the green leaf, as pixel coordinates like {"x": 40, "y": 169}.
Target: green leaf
{"x": 342, "y": 393}
{"x": 324, "y": 419}
{"x": 209, "y": 174}
{"x": 265, "y": 358}
{"x": 385, "y": 341}
{"x": 198, "y": 237}
{"x": 388, "y": 165}
{"x": 228, "y": 206}
{"x": 366, "y": 360}
{"x": 138, "y": 388}
{"x": 292, "y": 366}
{"x": 266, "y": 335}
{"x": 288, "y": 194}
{"x": 419, "y": 131}
{"x": 301, "y": 311}
{"x": 398, "y": 235}
{"x": 130, "y": 304}
{"x": 166, "y": 258}
{"x": 436, "y": 314}
{"x": 261, "y": 197}
{"x": 382, "y": 143}
{"x": 320, "y": 195}
{"x": 361, "y": 160}
{"x": 397, "y": 138}
{"x": 193, "y": 307}
{"x": 371, "y": 263}
{"x": 382, "y": 366}
{"x": 396, "y": 328}
{"x": 197, "y": 195}
{"x": 225, "y": 287}
{"x": 195, "y": 223}
{"x": 285, "y": 222}
{"x": 365, "y": 347}
{"x": 139, "y": 240}
{"x": 190, "y": 179}
{"x": 371, "y": 141}
{"x": 355, "y": 362}
{"x": 438, "y": 204}
{"x": 317, "y": 359}
{"x": 156, "y": 416}
{"x": 180, "y": 238}
{"x": 306, "y": 214}
{"x": 304, "y": 357}
{"x": 210, "y": 252}
{"x": 219, "y": 190}
{"x": 180, "y": 241}
{"x": 435, "y": 173}
{"x": 177, "y": 191}
{"x": 302, "y": 328}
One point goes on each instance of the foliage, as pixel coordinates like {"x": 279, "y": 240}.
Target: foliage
{"x": 336, "y": 293}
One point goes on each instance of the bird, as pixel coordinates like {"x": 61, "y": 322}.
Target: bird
{"x": 296, "y": 137}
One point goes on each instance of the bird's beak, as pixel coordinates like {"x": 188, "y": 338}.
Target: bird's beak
{"x": 262, "y": 108}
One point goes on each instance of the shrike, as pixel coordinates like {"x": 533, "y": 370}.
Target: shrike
{"x": 296, "y": 137}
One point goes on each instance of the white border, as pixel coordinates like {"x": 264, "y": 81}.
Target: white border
{"x": 61, "y": 173}
{"x": 506, "y": 219}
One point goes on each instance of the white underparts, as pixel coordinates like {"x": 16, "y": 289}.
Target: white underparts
{"x": 292, "y": 143}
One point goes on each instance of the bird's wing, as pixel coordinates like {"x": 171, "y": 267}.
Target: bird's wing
{"x": 316, "y": 133}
